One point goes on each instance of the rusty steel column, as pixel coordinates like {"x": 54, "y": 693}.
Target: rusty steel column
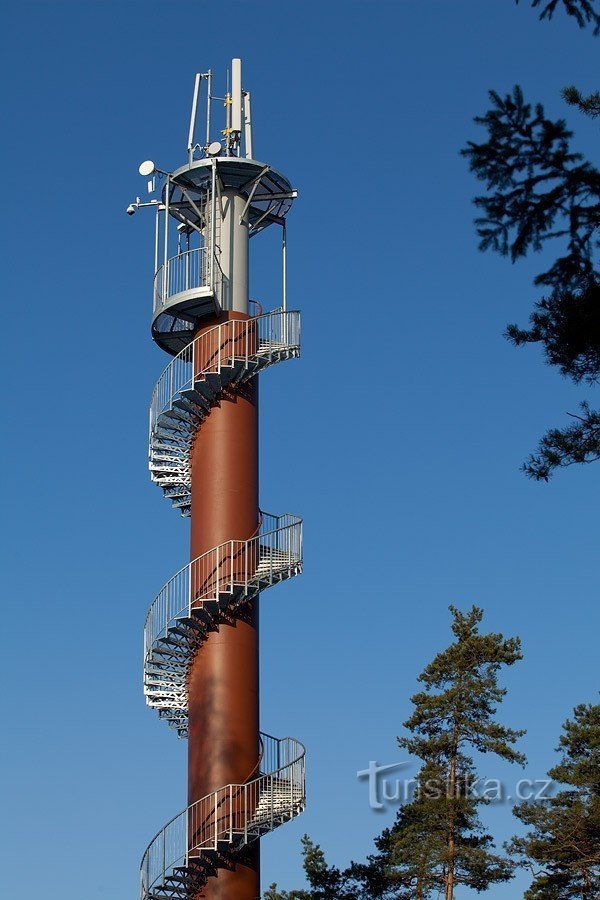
{"x": 223, "y": 688}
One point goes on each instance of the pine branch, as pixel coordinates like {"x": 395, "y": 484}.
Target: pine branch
{"x": 589, "y": 105}
{"x": 539, "y": 190}
{"x": 559, "y": 448}
{"x": 581, "y": 10}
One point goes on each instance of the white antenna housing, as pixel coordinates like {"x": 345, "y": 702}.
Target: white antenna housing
{"x": 194, "y": 112}
{"x": 236, "y": 97}
{"x": 247, "y": 126}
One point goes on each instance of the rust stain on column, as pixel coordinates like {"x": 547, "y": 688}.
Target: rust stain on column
{"x": 223, "y": 743}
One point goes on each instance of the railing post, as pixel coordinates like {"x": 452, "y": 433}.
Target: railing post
{"x": 193, "y": 362}
{"x": 245, "y": 813}
{"x": 230, "y": 813}
{"x": 213, "y": 224}
{"x": 187, "y": 835}
{"x": 215, "y": 821}
{"x": 171, "y": 371}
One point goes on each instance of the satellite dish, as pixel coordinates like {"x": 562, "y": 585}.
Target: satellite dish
{"x": 214, "y": 149}
{"x": 147, "y": 167}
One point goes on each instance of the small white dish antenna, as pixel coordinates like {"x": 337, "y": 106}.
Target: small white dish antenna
{"x": 214, "y": 149}
{"x": 147, "y": 167}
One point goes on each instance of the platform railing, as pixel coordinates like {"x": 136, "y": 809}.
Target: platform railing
{"x": 186, "y": 271}
{"x": 260, "y": 338}
{"x": 235, "y": 814}
{"x": 230, "y": 566}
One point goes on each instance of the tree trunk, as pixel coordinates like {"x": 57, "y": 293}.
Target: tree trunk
{"x": 419, "y": 885}
{"x": 449, "y": 894}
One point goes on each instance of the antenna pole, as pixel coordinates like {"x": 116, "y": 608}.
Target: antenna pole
{"x": 197, "y": 83}
{"x": 247, "y": 126}
{"x": 236, "y": 102}
{"x": 208, "y": 105}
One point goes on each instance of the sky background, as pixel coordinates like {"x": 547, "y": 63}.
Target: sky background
{"x": 398, "y": 435}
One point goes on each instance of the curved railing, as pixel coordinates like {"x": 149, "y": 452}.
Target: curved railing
{"x": 233, "y": 565}
{"x": 237, "y": 341}
{"x": 229, "y": 818}
{"x": 188, "y": 270}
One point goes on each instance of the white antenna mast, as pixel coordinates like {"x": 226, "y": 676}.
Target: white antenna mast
{"x": 236, "y": 102}
{"x": 247, "y": 126}
{"x": 191, "y": 144}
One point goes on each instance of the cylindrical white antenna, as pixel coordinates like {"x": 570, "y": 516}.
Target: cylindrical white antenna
{"x": 208, "y": 103}
{"x": 190, "y": 145}
{"x": 236, "y": 96}
{"x": 247, "y": 126}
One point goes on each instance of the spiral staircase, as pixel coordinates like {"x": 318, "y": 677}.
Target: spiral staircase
{"x": 213, "y": 589}
{"x": 219, "y": 360}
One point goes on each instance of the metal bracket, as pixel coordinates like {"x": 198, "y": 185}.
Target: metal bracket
{"x": 255, "y": 182}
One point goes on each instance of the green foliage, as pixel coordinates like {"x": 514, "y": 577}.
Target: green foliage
{"x": 589, "y": 105}
{"x": 581, "y": 10}
{"x": 567, "y": 323}
{"x": 562, "y": 447}
{"x": 454, "y": 715}
{"x": 458, "y": 705}
{"x": 539, "y": 189}
{"x": 326, "y": 883}
{"x": 438, "y": 832}
{"x": 562, "y": 845}
{"x": 437, "y": 840}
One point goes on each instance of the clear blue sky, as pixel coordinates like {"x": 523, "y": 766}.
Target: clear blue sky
{"x": 398, "y": 435}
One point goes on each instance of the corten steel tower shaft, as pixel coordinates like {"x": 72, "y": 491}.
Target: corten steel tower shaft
{"x": 223, "y": 693}
{"x": 223, "y": 690}
{"x": 201, "y": 637}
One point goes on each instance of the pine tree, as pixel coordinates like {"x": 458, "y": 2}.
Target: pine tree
{"x": 326, "y": 883}
{"x": 454, "y": 715}
{"x": 437, "y": 840}
{"x": 540, "y": 189}
{"x": 562, "y": 845}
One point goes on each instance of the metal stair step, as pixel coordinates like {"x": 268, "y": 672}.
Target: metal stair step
{"x": 187, "y": 406}
{"x": 203, "y": 387}
{"x": 196, "y": 398}
{"x": 204, "y": 615}
{"x": 172, "y": 426}
{"x": 175, "y": 414}
{"x": 227, "y": 375}
{"x": 213, "y": 379}
{"x": 191, "y": 623}
{"x": 183, "y": 503}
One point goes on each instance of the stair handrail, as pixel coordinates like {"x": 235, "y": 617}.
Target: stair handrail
{"x": 295, "y": 763}
{"x": 284, "y": 524}
{"x": 287, "y": 321}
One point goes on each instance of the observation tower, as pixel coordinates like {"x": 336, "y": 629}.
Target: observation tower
{"x": 201, "y": 635}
